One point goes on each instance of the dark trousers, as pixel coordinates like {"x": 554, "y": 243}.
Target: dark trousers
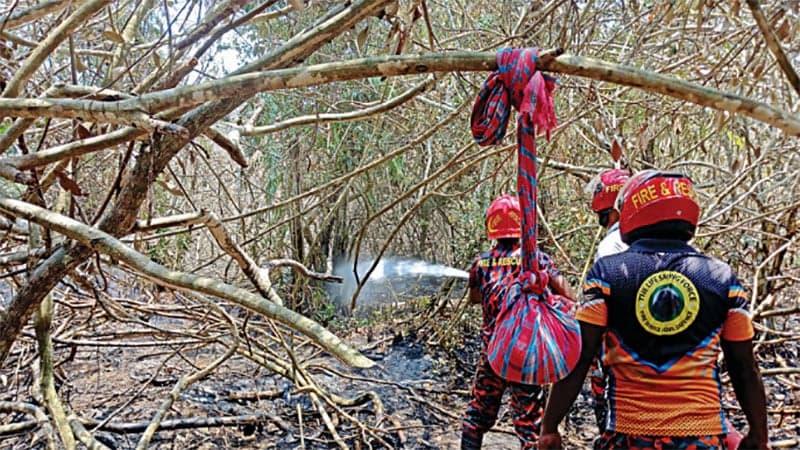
{"x": 487, "y": 394}
{"x": 597, "y": 378}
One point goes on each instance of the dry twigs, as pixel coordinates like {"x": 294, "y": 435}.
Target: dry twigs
{"x": 117, "y": 108}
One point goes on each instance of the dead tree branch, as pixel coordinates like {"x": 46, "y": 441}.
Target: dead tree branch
{"x": 35, "y": 12}
{"x": 190, "y": 422}
{"x": 774, "y": 45}
{"x": 38, "y": 414}
{"x": 84, "y": 436}
{"x": 107, "y": 244}
{"x": 251, "y": 83}
{"x": 340, "y": 117}
{"x": 122, "y": 217}
{"x": 46, "y": 46}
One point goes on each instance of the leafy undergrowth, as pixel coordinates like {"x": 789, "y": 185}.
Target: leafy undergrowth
{"x": 413, "y": 398}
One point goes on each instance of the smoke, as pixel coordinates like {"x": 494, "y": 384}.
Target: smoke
{"x": 392, "y": 280}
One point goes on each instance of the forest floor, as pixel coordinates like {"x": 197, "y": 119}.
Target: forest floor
{"x": 422, "y": 380}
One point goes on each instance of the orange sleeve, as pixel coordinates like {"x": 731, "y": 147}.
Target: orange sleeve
{"x": 737, "y": 326}
{"x": 593, "y": 308}
{"x": 594, "y": 312}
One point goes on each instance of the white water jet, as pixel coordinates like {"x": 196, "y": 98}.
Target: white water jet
{"x": 403, "y": 268}
{"x": 392, "y": 279}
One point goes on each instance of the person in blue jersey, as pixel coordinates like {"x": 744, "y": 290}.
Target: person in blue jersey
{"x": 665, "y": 312}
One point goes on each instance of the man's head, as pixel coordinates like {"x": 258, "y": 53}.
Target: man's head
{"x": 503, "y": 218}
{"x": 655, "y": 204}
{"x": 604, "y": 189}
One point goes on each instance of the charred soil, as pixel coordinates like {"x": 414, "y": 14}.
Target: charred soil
{"x": 115, "y": 374}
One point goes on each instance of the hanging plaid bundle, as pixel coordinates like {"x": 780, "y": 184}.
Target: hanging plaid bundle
{"x": 534, "y": 341}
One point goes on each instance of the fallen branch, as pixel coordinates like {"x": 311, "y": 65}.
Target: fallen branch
{"x": 326, "y": 419}
{"x": 37, "y": 413}
{"x": 300, "y": 425}
{"x": 779, "y": 410}
{"x": 253, "y": 396}
{"x": 785, "y": 443}
{"x": 83, "y": 435}
{"x": 190, "y": 422}
{"x": 780, "y": 371}
{"x": 16, "y": 427}
{"x": 778, "y": 312}
{"x": 107, "y": 244}
{"x": 187, "y": 380}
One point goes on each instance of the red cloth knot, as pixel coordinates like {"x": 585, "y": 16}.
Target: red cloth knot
{"x": 534, "y": 282}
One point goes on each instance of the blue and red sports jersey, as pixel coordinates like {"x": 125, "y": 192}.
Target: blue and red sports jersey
{"x": 666, "y": 308}
{"x": 492, "y": 272}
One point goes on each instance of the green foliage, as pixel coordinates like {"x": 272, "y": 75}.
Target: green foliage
{"x": 396, "y": 173}
{"x": 326, "y": 313}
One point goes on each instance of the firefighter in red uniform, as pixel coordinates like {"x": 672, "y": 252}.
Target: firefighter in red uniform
{"x": 489, "y": 276}
{"x": 664, "y": 312}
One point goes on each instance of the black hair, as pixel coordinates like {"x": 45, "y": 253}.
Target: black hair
{"x": 669, "y": 229}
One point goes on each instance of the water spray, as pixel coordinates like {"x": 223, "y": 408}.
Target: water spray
{"x": 391, "y": 279}
{"x": 410, "y": 267}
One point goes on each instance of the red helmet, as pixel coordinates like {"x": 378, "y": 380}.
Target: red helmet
{"x": 605, "y": 188}
{"x": 651, "y": 197}
{"x": 503, "y": 218}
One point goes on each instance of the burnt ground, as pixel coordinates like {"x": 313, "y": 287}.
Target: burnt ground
{"x": 425, "y": 365}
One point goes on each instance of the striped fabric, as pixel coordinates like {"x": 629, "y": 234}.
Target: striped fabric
{"x": 534, "y": 342}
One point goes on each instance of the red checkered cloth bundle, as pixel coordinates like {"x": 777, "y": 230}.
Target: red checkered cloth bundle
{"x": 534, "y": 341}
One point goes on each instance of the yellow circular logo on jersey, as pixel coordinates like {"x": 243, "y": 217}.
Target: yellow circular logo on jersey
{"x": 667, "y": 303}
